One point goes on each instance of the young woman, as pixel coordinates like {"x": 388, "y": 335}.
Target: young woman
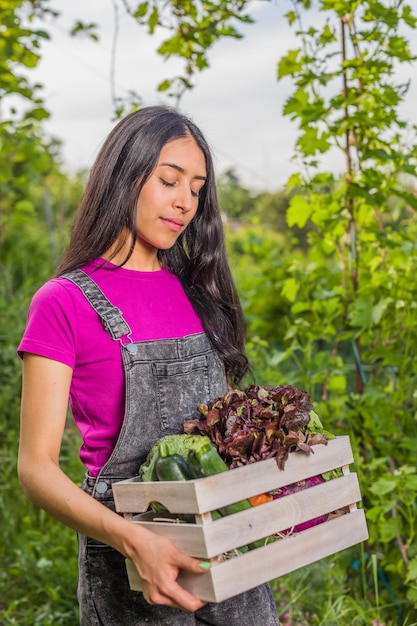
{"x": 141, "y": 324}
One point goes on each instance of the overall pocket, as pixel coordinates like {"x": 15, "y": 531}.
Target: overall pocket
{"x": 181, "y": 386}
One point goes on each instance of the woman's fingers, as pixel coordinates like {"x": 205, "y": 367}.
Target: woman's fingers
{"x": 159, "y": 575}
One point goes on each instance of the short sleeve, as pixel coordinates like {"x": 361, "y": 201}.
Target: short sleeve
{"x": 51, "y": 324}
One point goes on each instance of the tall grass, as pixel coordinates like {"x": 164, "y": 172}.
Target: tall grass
{"x": 38, "y": 578}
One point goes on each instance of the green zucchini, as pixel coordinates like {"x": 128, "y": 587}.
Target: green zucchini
{"x": 172, "y": 467}
{"x": 206, "y": 461}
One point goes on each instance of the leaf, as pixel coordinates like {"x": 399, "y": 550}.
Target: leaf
{"x": 165, "y": 85}
{"x": 290, "y": 289}
{"x": 294, "y": 181}
{"x": 296, "y": 104}
{"x": 412, "y": 570}
{"x": 379, "y": 309}
{"x": 299, "y": 211}
{"x": 42, "y": 33}
{"x": 312, "y": 141}
{"x": 408, "y": 17}
{"x": 365, "y": 314}
{"x": 383, "y": 486}
{"x": 327, "y": 35}
{"x": 408, "y": 197}
{"x": 337, "y": 384}
{"x": 24, "y": 207}
{"x": 361, "y": 312}
{"x": 374, "y": 514}
{"x": 388, "y": 530}
{"x": 315, "y": 424}
{"x": 38, "y": 114}
{"x": 291, "y": 17}
{"x": 82, "y": 28}
{"x": 153, "y": 20}
{"x": 412, "y": 595}
{"x": 289, "y": 64}
{"x": 141, "y": 10}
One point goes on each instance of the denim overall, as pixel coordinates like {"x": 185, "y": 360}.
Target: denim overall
{"x": 165, "y": 380}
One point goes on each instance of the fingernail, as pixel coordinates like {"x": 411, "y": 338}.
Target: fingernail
{"x": 205, "y": 565}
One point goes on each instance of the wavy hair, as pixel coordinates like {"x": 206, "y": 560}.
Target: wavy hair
{"x": 107, "y": 211}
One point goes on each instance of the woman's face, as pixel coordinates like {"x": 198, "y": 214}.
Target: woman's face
{"x": 169, "y": 198}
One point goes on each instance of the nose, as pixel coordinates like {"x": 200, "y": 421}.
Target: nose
{"x": 184, "y": 198}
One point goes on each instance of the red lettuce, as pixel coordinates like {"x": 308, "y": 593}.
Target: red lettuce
{"x": 258, "y": 423}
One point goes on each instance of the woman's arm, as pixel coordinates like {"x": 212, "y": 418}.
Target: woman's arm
{"x": 45, "y": 393}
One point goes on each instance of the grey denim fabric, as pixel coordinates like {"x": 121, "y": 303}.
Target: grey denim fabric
{"x": 165, "y": 381}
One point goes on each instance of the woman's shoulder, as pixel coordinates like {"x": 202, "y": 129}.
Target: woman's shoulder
{"x": 59, "y": 287}
{"x": 57, "y": 291}
{"x": 52, "y": 322}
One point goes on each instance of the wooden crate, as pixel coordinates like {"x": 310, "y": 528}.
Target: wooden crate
{"x": 212, "y": 540}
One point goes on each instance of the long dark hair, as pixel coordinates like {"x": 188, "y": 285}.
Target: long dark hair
{"x": 127, "y": 159}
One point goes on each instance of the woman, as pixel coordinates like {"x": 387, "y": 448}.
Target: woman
{"x": 141, "y": 324}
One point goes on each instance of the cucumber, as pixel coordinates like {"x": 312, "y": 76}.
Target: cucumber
{"x": 206, "y": 461}
{"x": 172, "y": 467}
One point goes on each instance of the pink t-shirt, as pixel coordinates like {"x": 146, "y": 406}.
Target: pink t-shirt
{"x": 63, "y": 326}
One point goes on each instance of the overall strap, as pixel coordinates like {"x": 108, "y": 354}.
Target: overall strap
{"x": 111, "y": 317}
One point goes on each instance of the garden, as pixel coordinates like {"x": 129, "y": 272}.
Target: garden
{"x": 326, "y": 270}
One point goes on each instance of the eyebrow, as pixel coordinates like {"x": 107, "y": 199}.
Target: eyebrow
{"x": 182, "y": 170}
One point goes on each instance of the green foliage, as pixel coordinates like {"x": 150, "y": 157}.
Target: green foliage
{"x": 36, "y": 197}
{"x": 235, "y": 200}
{"x": 38, "y": 554}
{"x": 352, "y": 301}
{"x": 194, "y": 27}
{"x": 242, "y": 206}
{"x": 36, "y": 201}
{"x": 299, "y": 333}
{"x": 23, "y": 155}
{"x": 38, "y": 578}
{"x": 337, "y": 318}
{"x": 346, "y": 591}
{"x": 19, "y": 47}
{"x": 329, "y": 294}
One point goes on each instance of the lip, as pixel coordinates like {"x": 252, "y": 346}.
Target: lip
{"x": 174, "y": 224}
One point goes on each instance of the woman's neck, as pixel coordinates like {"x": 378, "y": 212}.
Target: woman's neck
{"x": 140, "y": 260}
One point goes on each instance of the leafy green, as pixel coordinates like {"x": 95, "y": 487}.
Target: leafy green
{"x": 258, "y": 423}
{"x": 168, "y": 445}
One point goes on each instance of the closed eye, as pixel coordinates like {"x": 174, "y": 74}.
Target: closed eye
{"x": 166, "y": 183}
{"x": 195, "y": 194}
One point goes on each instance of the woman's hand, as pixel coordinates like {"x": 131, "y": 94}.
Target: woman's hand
{"x": 158, "y": 563}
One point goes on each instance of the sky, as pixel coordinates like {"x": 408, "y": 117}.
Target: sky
{"x": 237, "y": 101}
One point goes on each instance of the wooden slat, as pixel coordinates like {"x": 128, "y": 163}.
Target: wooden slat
{"x": 208, "y": 494}
{"x": 237, "y": 575}
{"x": 245, "y": 527}
{"x": 133, "y": 496}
